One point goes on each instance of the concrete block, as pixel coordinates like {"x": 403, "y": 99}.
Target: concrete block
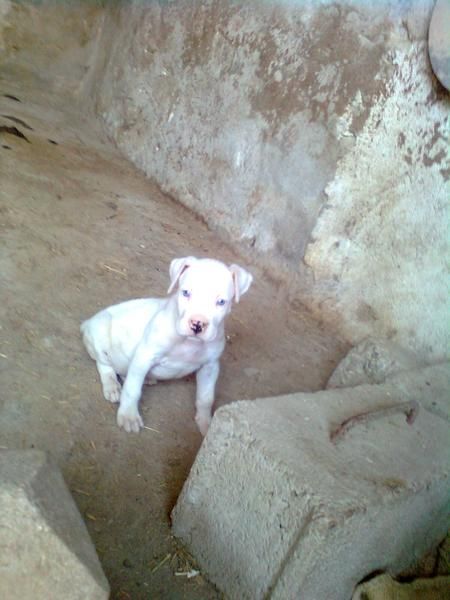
{"x": 291, "y": 498}
{"x": 372, "y": 361}
{"x": 45, "y": 549}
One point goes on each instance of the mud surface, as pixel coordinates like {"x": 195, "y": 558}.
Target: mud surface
{"x": 80, "y": 229}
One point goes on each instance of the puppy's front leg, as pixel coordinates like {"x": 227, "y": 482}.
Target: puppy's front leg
{"x": 206, "y": 383}
{"x": 128, "y": 415}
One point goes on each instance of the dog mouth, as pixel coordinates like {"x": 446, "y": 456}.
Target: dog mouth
{"x": 202, "y": 336}
{"x": 196, "y": 332}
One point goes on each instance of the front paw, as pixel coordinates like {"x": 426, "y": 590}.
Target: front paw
{"x": 203, "y": 423}
{"x": 130, "y": 420}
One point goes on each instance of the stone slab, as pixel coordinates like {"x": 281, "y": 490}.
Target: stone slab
{"x": 372, "y": 361}
{"x": 272, "y": 507}
{"x": 384, "y": 587}
{"x": 45, "y": 548}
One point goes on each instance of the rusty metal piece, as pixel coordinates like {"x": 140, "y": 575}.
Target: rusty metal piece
{"x": 410, "y": 409}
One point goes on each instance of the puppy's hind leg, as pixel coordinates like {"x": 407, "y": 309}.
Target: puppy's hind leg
{"x": 149, "y": 380}
{"x": 110, "y": 384}
{"x": 96, "y": 338}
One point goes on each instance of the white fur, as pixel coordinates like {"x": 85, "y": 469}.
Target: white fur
{"x": 166, "y": 338}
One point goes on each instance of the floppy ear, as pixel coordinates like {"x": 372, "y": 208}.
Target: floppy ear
{"x": 177, "y": 267}
{"x": 242, "y": 280}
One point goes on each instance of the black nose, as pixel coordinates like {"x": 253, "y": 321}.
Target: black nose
{"x": 196, "y": 327}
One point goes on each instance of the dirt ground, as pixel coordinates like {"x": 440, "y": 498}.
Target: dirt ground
{"x": 81, "y": 228}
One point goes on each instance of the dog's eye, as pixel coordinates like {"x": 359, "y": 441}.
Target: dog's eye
{"x": 186, "y": 293}
{"x": 221, "y": 302}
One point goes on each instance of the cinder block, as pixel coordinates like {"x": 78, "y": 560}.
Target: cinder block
{"x": 45, "y": 548}
{"x": 289, "y": 499}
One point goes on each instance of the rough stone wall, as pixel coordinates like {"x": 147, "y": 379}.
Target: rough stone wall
{"x": 314, "y": 132}
{"x": 383, "y": 235}
{"x": 236, "y": 107}
{"x": 49, "y": 39}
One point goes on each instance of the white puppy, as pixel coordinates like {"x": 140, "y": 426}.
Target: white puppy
{"x": 166, "y": 338}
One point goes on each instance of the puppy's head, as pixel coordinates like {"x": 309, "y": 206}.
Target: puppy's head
{"x": 206, "y": 290}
